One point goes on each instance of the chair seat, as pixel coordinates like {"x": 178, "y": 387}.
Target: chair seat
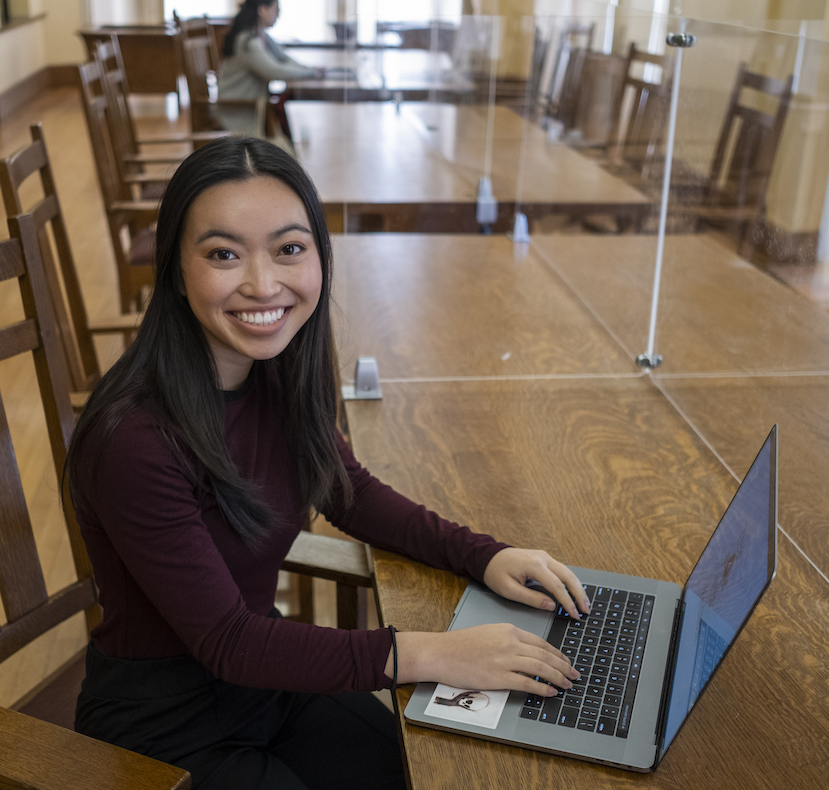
{"x": 54, "y": 699}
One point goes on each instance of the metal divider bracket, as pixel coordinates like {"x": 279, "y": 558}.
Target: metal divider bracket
{"x": 366, "y": 381}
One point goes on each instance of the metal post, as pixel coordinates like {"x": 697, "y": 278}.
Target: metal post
{"x": 681, "y": 41}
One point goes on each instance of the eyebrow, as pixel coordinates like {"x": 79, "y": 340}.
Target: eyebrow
{"x": 227, "y": 234}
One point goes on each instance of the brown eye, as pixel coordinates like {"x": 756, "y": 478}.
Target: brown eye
{"x": 223, "y": 255}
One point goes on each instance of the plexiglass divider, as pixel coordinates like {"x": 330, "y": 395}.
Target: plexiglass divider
{"x": 463, "y": 123}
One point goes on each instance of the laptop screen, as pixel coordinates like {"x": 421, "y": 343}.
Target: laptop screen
{"x": 733, "y": 572}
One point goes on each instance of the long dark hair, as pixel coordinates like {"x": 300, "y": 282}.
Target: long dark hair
{"x": 247, "y": 19}
{"x": 170, "y": 368}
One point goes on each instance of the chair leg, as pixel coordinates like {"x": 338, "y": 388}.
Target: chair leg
{"x": 351, "y": 607}
{"x": 305, "y": 592}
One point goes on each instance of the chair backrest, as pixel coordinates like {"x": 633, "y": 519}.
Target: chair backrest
{"x": 200, "y": 27}
{"x": 56, "y": 255}
{"x": 642, "y": 106}
{"x": 195, "y": 52}
{"x": 113, "y": 85}
{"x": 30, "y": 610}
{"x": 130, "y": 220}
{"x": 575, "y": 41}
{"x": 741, "y": 167}
{"x": 94, "y": 100}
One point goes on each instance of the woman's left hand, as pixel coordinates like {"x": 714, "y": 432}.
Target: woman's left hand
{"x": 510, "y": 569}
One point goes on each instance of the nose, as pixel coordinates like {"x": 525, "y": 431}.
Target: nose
{"x": 262, "y": 278}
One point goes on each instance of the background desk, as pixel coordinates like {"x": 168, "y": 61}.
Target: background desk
{"x": 378, "y": 74}
{"x": 417, "y": 167}
{"x": 599, "y": 468}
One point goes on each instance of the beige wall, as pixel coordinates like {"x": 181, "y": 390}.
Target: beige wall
{"x": 21, "y": 54}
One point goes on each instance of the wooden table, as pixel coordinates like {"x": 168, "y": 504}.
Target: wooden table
{"x": 417, "y": 166}
{"x": 376, "y": 74}
{"x": 598, "y": 466}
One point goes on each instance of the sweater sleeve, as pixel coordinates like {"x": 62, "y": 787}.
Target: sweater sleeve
{"x": 254, "y": 55}
{"x": 144, "y": 522}
{"x": 388, "y": 520}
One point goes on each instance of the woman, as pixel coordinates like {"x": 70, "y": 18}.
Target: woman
{"x": 251, "y": 59}
{"x": 191, "y": 471}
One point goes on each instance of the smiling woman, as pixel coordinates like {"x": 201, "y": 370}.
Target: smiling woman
{"x": 192, "y": 470}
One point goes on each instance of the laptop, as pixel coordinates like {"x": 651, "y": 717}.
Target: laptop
{"x": 646, "y": 652}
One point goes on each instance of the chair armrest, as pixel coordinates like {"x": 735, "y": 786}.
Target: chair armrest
{"x": 121, "y": 324}
{"x": 148, "y": 178}
{"x": 343, "y": 561}
{"x": 184, "y": 137}
{"x": 36, "y": 755}
{"x": 140, "y": 208}
{"x": 154, "y": 159}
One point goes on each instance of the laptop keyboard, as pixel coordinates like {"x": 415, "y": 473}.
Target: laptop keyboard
{"x": 606, "y": 647}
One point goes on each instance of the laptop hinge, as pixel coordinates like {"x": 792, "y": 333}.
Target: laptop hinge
{"x": 667, "y": 683}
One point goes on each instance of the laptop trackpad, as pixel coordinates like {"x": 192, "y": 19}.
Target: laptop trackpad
{"x": 479, "y": 606}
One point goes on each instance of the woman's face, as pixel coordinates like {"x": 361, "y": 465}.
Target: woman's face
{"x": 268, "y": 14}
{"x": 251, "y": 271}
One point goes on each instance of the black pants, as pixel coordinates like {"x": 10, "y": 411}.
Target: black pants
{"x": 235, "y": 738}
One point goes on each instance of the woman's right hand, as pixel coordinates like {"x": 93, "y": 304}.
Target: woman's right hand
{"x": 498, "y": 656}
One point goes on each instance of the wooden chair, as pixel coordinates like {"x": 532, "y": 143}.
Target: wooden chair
{"x": 561, "y": 98}
{"x": 196, "y": 56}
{"x": 75, "y": 331}
{"x": 735, "y": 191}
{"x": 197, "y": 27}
{"x": 37, "y": 754}
{"x": 641, "y": 113}
{"x": 131, "y": 220}
{"x": 129, "y": 156}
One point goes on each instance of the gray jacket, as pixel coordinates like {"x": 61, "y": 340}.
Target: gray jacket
{"x": 255, "y": 62}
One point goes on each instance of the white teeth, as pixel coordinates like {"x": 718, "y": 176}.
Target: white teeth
{"x": 261, "y": 319}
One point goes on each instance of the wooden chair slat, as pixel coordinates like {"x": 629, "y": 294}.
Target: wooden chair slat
{"x": 18, "y": 338}
{"x": 765, "y": 84}
{"x": 750, "y": 115}
{"x": 20, "y": 164}
{"x": 11, "y": 259}
{"x": 49, "y": 612}
{"x": 22, "y": 586}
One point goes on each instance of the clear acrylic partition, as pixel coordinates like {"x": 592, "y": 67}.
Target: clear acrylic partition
{"x": 441, "y": 122}
{"x": 740, "y": 285}
{"x": 735, "y": 295}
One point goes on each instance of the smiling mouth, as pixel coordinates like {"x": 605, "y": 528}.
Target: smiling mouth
{"x": 262, "y": 318}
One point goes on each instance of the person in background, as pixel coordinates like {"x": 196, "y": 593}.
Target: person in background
{"x": 250, "y": 60}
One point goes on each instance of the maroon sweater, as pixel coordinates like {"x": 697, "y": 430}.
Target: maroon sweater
{"x": 175, "y": 579}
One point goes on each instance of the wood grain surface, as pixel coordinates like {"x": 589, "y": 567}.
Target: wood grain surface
{"x": 717, "y": 313}
{"x": 369, "y": 152}
{"x": 605, "y": 474}
{"x": 727, "y": 411}
{"x": 447, "y": 305}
